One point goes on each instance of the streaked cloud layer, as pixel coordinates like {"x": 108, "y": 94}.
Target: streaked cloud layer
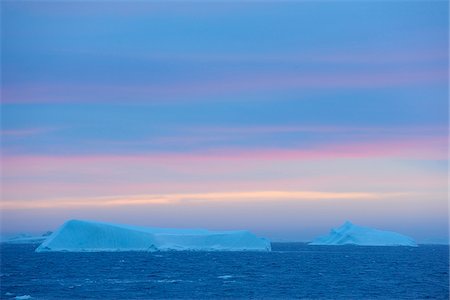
{"x": 192, "y": 198}
{"x": 284, "y": 117}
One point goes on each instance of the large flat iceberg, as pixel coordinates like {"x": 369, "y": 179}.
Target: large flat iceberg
{"x": 350, "y": 234}
{"x": 87, "y": 236}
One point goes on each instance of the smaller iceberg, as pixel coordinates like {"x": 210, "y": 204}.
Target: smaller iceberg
{"x": 350, "y": 234}
{"x": 88, "y": 236}
{"x": 24, "y": 238}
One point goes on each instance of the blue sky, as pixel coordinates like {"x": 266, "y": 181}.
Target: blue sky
{"x": 134, "y": 99}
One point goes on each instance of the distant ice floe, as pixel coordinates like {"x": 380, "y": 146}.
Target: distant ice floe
{"x": 24, "y": 297}
{"x": 24, "y": 238}
{"x": 170, "y": 280}
{"x": 88, "y": 236}
{"x": 350, "y": 234}
{"x": 225, "y": 276}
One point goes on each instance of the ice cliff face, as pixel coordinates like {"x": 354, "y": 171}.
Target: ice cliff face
{"x": 350, "y": 234}
{"x": 85, "y": 236}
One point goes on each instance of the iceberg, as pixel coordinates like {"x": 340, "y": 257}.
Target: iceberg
{"x": 89, "y": 236}
{"x": 24, "y": 238}
{"x": 350, "y": 234}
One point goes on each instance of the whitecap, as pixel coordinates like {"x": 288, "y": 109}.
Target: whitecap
{"x": 24, "y": 297}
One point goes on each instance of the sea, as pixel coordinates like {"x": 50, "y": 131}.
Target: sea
{"x": 290, "y": 271}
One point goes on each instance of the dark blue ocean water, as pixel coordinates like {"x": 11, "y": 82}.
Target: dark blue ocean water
{"x": 292, "y": 270}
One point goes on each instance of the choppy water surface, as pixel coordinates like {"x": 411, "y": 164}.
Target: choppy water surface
{"x": 292, "y": 270}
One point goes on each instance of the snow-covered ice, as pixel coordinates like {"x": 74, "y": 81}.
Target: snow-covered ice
{"x": 24, "y": 238}
{"x": 86, "y": 236}
{"x": 352, "y": 234}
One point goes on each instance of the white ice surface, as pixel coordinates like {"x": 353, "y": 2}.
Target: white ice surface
{"x": 24, "y": 239}
{"x": 350, "y": 234}
{"x": 88, "y": 236}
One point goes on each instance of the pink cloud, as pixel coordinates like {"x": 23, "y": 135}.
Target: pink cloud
{"x": 24, "y": 132}
{"x": 242, "y": 83}
{"x": 196, "y": 198}
{"x": 318, "y": 129}
{"x": 368, "y": 57}
{"x": 207, "y": 136}
{"x": 434, "y": 148}
{"x": 333, "y": 178}
{"x": 37, "y": 176}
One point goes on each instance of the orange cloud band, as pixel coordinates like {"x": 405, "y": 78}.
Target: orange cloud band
{"x": 193, "y": 198}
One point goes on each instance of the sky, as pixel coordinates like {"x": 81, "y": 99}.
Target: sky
{"x": 283, "y": 118}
